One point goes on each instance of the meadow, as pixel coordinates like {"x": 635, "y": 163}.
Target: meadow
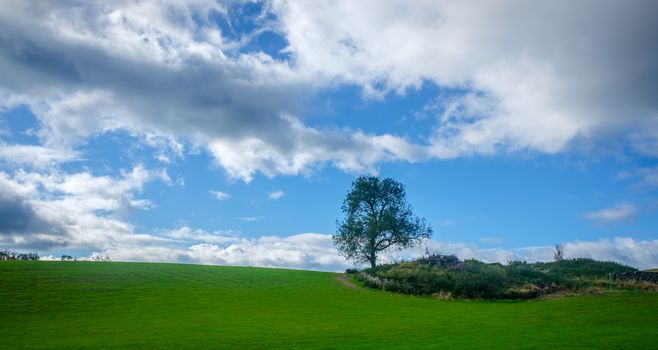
{"x": 82, "y": 305}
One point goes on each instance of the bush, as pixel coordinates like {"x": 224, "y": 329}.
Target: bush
{"x": 479, "y": 280}
{"x": 583, "y": 267}
{"x": 438, "y": 260}
{"x": 445, "y": 274}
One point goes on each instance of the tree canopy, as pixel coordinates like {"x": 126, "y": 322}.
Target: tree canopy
{"x": 377, "y": 217}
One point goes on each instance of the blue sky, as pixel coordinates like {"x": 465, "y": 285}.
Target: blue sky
{"x": 229, "y": 133}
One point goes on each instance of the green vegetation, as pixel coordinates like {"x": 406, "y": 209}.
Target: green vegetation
{"x": 377, "y": 217}
{"x": 474, "y": 279}
{"x": 87, "y": 305}
{"x": 652, "y": 270}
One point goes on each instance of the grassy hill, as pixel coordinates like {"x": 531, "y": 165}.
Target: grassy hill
{"x": 652, "y": 270}
{"x": 132, "y": 305}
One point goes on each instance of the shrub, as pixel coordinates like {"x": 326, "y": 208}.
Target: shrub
{"x": 584, "y": 267}
{"x": 447, "y": 275}
{"x": 479, "y": 280}
{"x": 438, "y": 260}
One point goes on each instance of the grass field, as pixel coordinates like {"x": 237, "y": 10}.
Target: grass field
{"x": 132, "y": 305}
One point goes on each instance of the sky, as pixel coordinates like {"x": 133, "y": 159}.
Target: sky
{"x": 230, "y": 132}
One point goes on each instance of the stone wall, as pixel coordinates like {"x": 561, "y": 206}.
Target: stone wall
{"x": 635, "y": 276}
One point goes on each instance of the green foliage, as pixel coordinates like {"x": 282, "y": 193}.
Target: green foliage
{"x": 85, "y": 305}
{"x": 474, "y": 279}
{"x": 438, "y": 260}
{"x": 583, "y": 267}
{"x": 377, "y": 217}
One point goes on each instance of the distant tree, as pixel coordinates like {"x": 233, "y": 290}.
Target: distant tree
{"x": 101, "y": 258}
{"x": 9, "y": 255}
{"x": 558, "y": 253}
{"x": 377, "y": 217}
{"x": 67, "y": 258}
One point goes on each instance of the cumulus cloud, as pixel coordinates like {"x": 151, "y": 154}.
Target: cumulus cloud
{"x": 621, "y": 211}
{"x": 274, "y": 195}
{"x": 306, "y": 250}
{"x": 18, "y": 217}
{"x": 641, "y": 254}
{"x": 89, "y": 68}
{"x": 44, "y": 210}
{"x": 519, "y": 80}
{"x": 316, "y": 251}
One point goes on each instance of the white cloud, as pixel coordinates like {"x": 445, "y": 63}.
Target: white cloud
{"x": 170, "y": 80}
{"x": 35, "y": 156}
{"x": 642, "y": 254}
{"x": 49, "y": 258}
{"x": 638, "y": 253}
{"x": 220, "y": 196}
{"x": 316, "y": 251}
{"x": 311, "y": 148}
{"x": 621, "y": 211}
{"x": 274, "y": 195}
{"x": 306, "y": 250}
{"x": 520, "y": 82}
{"x": 187, "y": 234}
{"x": 89, "y": 68}
{"x": 45, "y": 210}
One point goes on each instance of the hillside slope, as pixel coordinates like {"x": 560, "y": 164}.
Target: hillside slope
{"x": 133, "y": 305}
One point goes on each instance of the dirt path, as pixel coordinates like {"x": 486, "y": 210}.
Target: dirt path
{"x": 345, "y": 281}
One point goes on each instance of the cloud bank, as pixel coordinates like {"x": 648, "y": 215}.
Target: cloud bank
{"x": 514, "y": 81}
{"x": 46, "y": 210}
{"x": 315, "y": 251}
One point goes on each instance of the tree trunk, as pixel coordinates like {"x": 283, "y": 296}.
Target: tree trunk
{"x": 373, "y": 260}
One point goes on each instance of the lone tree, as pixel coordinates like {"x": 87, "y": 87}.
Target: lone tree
{"x": 377, "y": 217}
{"x": 558, "y": 253}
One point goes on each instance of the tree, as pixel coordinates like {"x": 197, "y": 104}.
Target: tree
{"x": 558, "y": 253}
{"x": 377, "y": 217}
